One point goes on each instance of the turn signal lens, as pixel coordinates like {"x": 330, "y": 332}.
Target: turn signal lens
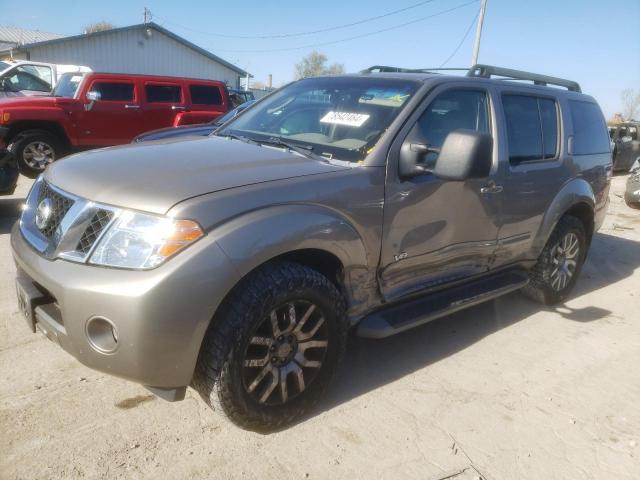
{"x": 6, "y": 116}
{"x": 184, "y": 232}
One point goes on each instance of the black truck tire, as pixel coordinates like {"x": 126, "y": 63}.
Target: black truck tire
{"x": 558, "y": 267}
{"x": 34, "y": 150}
{"x": 262, "y": 375}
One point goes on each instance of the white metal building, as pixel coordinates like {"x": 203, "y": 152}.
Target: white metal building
{"x": 12, "y": 37}
{"x": 143, "y": 49}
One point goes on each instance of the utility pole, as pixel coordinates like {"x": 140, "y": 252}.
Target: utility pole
{"x": 476, "y": 46}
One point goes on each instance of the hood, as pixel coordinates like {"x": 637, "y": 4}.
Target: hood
{"x": 155, "y": 176}
{"x": 171, "y": 132}
{"x": 27, "y": 101}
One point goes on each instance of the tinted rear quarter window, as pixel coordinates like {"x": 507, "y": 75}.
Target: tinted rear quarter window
{"x": 114, "y": 92}
{"x": 163, "y": 93}
{"x": 532, "y": 128}
{"x": 589, "y": 129}
{"x": 205, "y": 95}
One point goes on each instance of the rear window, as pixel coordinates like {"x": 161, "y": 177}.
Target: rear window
{"x": 205, "y": 95}
{"x": 532, "y": 128}
{"x": 114, "y": 92}
{"x": 589, "y": 129}
{"x": 163, "y": 93}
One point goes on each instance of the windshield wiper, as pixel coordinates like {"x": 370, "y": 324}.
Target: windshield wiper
{"x": 234, "y": 136}
{"x": 304, "y": 150}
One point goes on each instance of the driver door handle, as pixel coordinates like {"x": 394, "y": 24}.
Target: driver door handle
{"x": 491, "y": 188}
{"x": 132, "y": 106}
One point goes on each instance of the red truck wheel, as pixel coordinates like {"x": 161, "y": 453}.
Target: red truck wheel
{"x": 34, "y": 151}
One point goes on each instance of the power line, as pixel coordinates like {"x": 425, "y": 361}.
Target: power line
{"x": 299, "y": 34}
{"x": 466, "y": 34}
{"x": 355, "y": 37}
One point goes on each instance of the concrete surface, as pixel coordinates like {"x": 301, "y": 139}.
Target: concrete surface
{"x": 506, "y": 390}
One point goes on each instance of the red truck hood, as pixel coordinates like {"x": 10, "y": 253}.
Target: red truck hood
{"x": 31, "y": 102}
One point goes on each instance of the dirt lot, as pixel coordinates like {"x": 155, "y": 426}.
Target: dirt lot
{"x": 505, "y": 390}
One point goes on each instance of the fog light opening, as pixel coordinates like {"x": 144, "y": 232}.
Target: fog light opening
{"x": 102, "y": 334}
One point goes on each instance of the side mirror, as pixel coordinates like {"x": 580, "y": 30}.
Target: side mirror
{"x": 465, "y": 154}
{"x": 92, "y": 97}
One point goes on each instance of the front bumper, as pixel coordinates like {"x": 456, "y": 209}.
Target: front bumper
{"x": 161, "y": 315}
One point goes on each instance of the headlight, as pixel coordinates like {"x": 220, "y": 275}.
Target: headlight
{"x": 141, "y": 241}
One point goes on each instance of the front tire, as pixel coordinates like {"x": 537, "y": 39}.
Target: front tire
{"x": 274, "y": 346}
{"x": 556, "y": 272}
{"x": 34, "y": 151}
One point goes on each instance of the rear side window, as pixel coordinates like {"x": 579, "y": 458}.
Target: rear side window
{"x": 532, "y": 128}
{"x": 589, "y": 129}
{"x": 205, "y": 95}
{"x": 114, "y": 92}
{"x": 163, "y": 93}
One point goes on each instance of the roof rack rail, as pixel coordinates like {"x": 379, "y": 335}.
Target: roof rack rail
{"x": 487, "y": 71}
{"x": 384, "y": 68}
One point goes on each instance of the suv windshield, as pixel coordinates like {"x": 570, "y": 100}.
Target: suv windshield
{"x": 68, "y": 85}
{"x": 4, "y": 66}
{"x": 336, "y": 117}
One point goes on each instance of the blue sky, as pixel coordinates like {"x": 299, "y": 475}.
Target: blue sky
{"x": 594, "y": 42}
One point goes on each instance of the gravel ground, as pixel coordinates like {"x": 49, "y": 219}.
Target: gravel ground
{"x": 505, "y": 390}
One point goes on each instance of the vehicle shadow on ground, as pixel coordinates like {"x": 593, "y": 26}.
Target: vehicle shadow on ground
{"x": 370, "y": 364}
{"x": 10, "y": 209}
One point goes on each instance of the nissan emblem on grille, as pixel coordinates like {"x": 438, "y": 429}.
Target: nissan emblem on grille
{"x": 43, "y": 213}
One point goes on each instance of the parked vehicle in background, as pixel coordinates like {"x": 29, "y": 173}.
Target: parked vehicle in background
{"x": 20, "y": 78}
{"x": 101, "y": 109}
{"x": 8, "y": 173}
{"x": 238, "y": 97}
{"x": 192, "y": 130}
{"x": 626, "y": 143}
{"x": 238, "y": 262}
{"x": 632, "y": 193}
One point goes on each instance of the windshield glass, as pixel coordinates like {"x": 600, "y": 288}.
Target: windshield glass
{"x": 336, "y": 117}
{"x": 4, "y": 66}
{"x": 68, "y": 85}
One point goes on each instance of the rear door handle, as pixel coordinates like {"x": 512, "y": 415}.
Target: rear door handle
{"x": 132, "y": 106}
{"x": 491, "y": 188}
{"x": 177, "y": 107}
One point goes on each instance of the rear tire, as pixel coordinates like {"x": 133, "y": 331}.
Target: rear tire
{"x": 35, "y": 150}
{"x": 556, "y": 272}
{"x": 265, "y": 375}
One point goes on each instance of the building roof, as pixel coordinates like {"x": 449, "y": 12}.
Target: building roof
{"x": 13, "y": 36}
{"x": 151, "y": 25}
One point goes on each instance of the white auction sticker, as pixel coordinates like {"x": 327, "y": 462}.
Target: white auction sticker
{"x": 345, "y": 118}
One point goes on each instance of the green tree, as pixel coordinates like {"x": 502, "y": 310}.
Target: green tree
{"x": 315, "y": 64}
{"x": 98, "y": 27}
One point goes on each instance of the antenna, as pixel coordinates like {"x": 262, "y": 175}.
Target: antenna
{"x": 147, "y": 15}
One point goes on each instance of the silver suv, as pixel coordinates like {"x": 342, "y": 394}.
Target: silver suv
{"x": 377, "y": 202}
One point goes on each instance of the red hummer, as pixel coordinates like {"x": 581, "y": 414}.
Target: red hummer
{"x": 101, "y": 109}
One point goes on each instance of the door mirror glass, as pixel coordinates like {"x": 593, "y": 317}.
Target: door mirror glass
{"x": 94, "y": 96}
{"x": 465, "y": 154}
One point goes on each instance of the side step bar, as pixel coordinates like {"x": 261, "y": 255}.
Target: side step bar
{"x": 400, "y": 317}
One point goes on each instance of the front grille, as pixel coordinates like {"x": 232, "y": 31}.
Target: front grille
{"x": 59, "y": 208}
{"x": 97, "y": 224}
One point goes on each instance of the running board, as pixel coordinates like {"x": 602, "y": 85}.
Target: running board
{"x": 400, "y": 317}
